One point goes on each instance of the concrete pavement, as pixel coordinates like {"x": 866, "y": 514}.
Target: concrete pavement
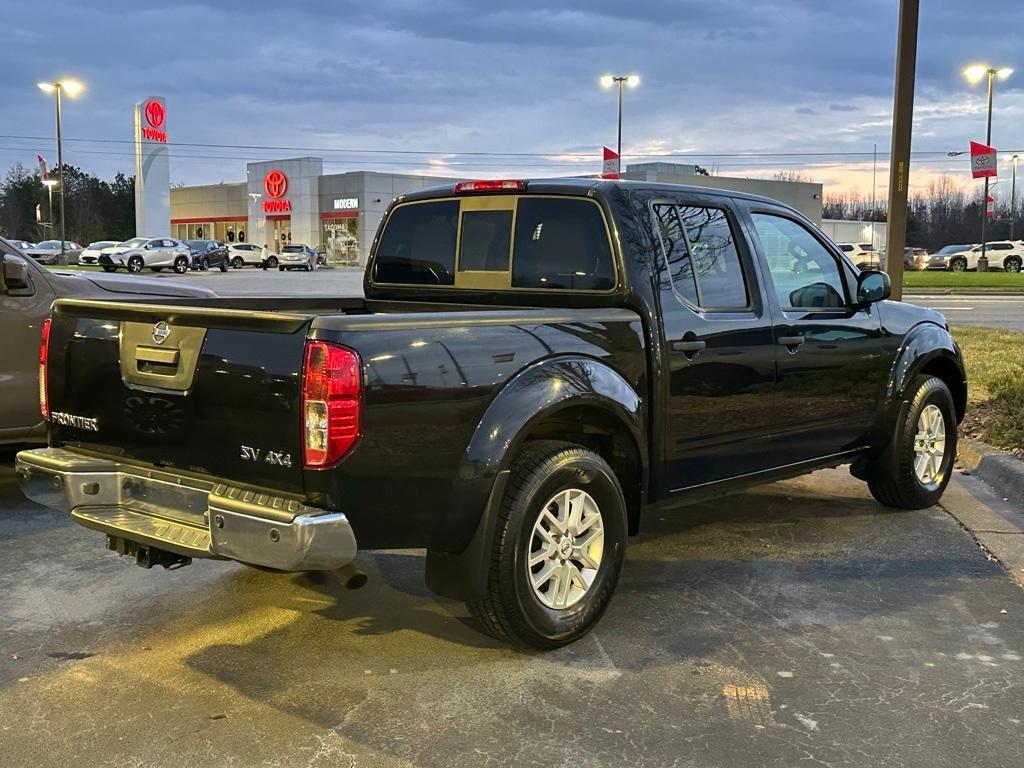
{"x": 799, "y": 623}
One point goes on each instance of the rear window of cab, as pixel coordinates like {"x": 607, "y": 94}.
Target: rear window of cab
{"x": 497, "y": 242}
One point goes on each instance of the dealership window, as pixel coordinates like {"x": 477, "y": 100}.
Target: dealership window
{"x": 340, "y": 240}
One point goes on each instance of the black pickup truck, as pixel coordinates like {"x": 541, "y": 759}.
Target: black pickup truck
{"x": 533, "y": 366}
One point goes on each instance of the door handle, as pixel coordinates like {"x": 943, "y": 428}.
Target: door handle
{"x": 791, "y": 341}
{"x": 689, "y": 348}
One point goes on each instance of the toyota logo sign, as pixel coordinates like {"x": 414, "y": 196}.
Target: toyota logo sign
{"x": 155, "y": 113}
{"x": 276, "y": 184}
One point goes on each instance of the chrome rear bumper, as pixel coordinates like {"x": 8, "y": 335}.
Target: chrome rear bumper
{"x": 185, "y": 515}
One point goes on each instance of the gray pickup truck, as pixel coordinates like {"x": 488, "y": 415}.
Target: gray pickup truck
{"x": 27, "y": 290}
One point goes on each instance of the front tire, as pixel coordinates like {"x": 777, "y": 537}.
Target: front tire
{"x": 558, "y": 548}
{"x": 181, "y": 265}
{"x": 135, "y": 264}
{"x": 958, "y": 265}
{"x": 271, "y": 262}
{"x": 915, "y": 468}
{"x": 237, "y": 262}
{"x": 224, "y": 265}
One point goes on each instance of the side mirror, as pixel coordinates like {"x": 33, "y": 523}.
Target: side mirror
{"x": 872, "y": 286}
{"x": 16, "y": 277}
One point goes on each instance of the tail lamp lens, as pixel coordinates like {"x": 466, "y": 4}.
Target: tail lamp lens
{"x": 331, "y": 403}
{"x": 44, "y": 353}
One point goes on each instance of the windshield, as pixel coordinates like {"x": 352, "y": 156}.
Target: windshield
{"x": 953, "y": 249}
{"x": 135, "y": 242}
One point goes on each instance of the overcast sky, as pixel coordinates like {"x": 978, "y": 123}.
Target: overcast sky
{"x": 719, "y": 77}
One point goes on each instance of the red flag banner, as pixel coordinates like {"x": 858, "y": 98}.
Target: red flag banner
{"x": 42, "y": 167}
{"x": 990, "y": 206}
{"x": 983, "y": 160}
{"x": 611, "y": 164}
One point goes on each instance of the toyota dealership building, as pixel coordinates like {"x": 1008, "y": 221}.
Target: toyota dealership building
{"x": 292, "y": 201}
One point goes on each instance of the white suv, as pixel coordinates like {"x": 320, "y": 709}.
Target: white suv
{"x": 1007, "y": 255}
{"x": 863, "y": 255}
{"x": 248, "y": 255}
{"x": 156, "y": 253}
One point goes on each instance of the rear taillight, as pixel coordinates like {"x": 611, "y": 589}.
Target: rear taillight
{"x": 332, "y": 384}
{"x": 44, "y": 353}
{"x": 492, "y": 185}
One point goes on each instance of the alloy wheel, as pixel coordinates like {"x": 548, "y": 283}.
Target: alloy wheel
{"x": 930, "y": 446}
{"x": 565, "y": 550}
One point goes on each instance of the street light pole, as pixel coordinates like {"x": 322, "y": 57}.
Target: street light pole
{"x": 60, "y": 170}
{"x": 607, "y": 81}
{"x": 1013, "y": 196}
{"x": 974, "y": 73}
{"x": 57, "y": 88}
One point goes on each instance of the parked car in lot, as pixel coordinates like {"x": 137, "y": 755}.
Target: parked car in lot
{"x": 21, "y": 245}
{"x": 516, "y": 390}
{"x": 207, "y": 254}
{"x": 90, "y": 255}
{"x": 297, "y": 256}
{"x": 915, "y": 258}
{"x": 940, "y": 259}
{"x": 156, "y": 253}
{"x": 26, "y": 292}
{"x": 48, "y": 252}
{"x": 1007, "y": 255}
{"x": 863, "y": 255}
{"x": 250, "y": 255}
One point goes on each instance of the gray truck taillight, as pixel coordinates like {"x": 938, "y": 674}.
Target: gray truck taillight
{"x": 44, "y": 354}
{"x": 332, "y": 385}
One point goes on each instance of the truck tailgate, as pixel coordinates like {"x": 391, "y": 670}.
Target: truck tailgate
{"x": 210, "y": 391}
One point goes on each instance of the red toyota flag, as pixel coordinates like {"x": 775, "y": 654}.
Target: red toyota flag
{"x": 611, "y": 164}
{"x": 983, "y": 160}
{"x": 990, "y": 206}
{"x": 42, "y": 167}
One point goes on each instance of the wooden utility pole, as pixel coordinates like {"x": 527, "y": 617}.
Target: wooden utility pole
{"x": 899, "y": 158}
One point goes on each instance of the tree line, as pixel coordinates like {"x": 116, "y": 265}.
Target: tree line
{"x": 95, "y": 209}
{"x": 945, "y": 214}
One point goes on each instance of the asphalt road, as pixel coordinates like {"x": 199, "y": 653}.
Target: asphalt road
{"x": 798, "y": 624}
{"x": 995, "y": 311}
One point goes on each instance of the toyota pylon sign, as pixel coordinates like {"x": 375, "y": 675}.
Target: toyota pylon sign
{"x": 983, "y": 160}
{"x": 611, "y": 164}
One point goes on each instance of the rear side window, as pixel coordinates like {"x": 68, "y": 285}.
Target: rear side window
{"x": 711, "y": 262}
{"x": 561, "y": 243}
{"x": 418, "y": 245}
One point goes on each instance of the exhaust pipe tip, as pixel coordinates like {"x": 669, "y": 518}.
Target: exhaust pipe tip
{"x": 352, "y": 577}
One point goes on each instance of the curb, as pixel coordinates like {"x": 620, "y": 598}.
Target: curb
{"x": 1000, "y": 470}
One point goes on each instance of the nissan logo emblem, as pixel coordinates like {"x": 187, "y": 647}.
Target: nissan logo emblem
{"x": 161, "y": 331}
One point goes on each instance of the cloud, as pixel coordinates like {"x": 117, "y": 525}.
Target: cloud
{"x": 269, "y": 79}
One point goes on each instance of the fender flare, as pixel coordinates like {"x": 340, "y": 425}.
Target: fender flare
{"x": 458, "y": 556}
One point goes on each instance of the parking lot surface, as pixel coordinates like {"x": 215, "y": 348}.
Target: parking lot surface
{"x": 797, "y": 624}
{"x": 1005, "y": 312}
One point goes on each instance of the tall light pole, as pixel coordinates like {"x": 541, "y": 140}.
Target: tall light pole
{"x": 632, "y": 81}
{"x": 975, "y": 74}
{"x": 72, "y": 88}
{"x": 1013, "y": 196}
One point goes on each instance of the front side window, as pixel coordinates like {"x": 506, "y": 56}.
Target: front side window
{"x": 805, "y": 275}
{"x": 698, "y": 247}
{"x": 418, "y": 245}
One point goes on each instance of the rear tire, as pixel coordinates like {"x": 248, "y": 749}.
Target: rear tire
{"x": 224, "y": 266}
{"x": 1012, "y": 264}
{"x": 557, "y": 495}
{"x": 915, "y": 468}
{"x": 271, "y": 262}
{"x": 205, "y": 265}
{"x": 181, "y": 265}
{"x": 237, "y": 262}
